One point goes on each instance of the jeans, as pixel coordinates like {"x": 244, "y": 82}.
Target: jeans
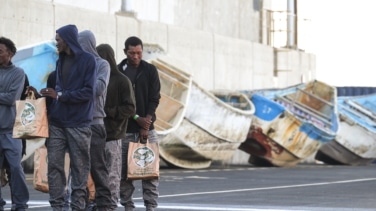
{"x": 98, "y": 168}
{"x": 11, "y": 149}
{"x": 149, "y": 187}
{"x": 77, "y": 142}
{"x": 113, "y": 162}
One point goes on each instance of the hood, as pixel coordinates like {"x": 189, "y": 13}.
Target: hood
{"x": 69, "y": 34}
{"x": 107, "y": 52}
{"x": 87, "y": 41}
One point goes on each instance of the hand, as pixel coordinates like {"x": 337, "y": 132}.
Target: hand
{"x": 48, "y": 92}
{"x": 144, "y": 122}
{"x": 30, "y": 89}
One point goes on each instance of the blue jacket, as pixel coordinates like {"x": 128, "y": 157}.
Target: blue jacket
{"x": 74, "y": 108}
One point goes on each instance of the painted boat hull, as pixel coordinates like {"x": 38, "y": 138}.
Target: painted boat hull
{"x": 355, "y": 143}
{"x": 38, "y": 61}
{"x": 175, "y": 92}
{"x": 216, "y": 129}
{"x": 211, "y": 130}
{"x": 282, "y": 134}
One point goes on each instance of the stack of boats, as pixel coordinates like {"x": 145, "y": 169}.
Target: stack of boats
{"x": 291, "y": 124}
{"x": 276, "y": 127}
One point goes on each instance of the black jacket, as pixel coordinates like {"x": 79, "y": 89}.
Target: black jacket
{"x": 147, "y": 93}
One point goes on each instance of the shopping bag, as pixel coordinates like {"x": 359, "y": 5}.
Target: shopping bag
{"x": 91, "y": 187}
{"x": 143, "y": 160}
{"x": 40, "y": 180}
{"x": 31, "y": 118}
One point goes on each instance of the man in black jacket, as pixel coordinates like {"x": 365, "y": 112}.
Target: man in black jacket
{"x": 146, "y": 85}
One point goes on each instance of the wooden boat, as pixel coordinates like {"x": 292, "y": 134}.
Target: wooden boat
{"x": 290, "y": 124}
{"x": 235, "y": 99}
{"x": 37, "y": 60}
{"x": 175, "y": 92}
{"x": 355, "y": 143}
{"x": 213, "y": 129}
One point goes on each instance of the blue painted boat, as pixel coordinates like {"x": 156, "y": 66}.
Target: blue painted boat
{"x": 290, "y": 124}
{"x": 37, "y": 60}
{"x": 355, "y": 143}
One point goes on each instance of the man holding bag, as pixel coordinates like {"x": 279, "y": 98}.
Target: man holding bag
{"x": 12, "y": 81}
{"x": 146, "y": 85}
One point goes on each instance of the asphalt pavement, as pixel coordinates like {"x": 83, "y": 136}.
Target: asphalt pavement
{"x": 306, "y": 187}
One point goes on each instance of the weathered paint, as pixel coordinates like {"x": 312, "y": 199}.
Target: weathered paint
{"x": 175, "y": 88}
{"x": 211, "y": 130}
{"x": 174, "y": 151}
{"x": 217, "y": 117}
{"x": 334, "y": 153}
{"x": 290, "y": 133}
{"x": 355, "y": 143}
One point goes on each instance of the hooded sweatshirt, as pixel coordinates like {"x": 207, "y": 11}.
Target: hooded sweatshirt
{"x": 120, "y": 101}
{"x": 11, "y": 86}
{"x": 146, "y": 91}
{"x": 87, "y": 41}
{"x": 74, "y": 108}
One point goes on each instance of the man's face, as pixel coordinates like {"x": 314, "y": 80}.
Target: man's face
{"x": 5, "y": 55}
{"x": 60, "y": 44}
{"x": 134, "y": 55}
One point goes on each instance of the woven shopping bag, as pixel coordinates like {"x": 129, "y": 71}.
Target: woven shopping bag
{"x": 143, "y": 160}
{"x": 31, "y": 118}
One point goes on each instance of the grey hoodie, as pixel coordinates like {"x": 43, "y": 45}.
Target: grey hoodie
{"x": 12, "y": 83}
{"x": 88, "y": 43}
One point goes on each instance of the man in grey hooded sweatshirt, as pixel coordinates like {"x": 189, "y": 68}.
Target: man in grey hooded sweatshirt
{"x": 98, "y": 167}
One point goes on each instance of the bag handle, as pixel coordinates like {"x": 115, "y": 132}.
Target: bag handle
{"x": 143, "y": 141}
{"x": 30, "y": 95}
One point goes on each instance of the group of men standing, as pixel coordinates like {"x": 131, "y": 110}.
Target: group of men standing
{"x": 95, "y": 109}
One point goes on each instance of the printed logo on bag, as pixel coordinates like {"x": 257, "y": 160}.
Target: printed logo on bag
{"x": 28, "y": 114}
{"x": 143, "y": 156}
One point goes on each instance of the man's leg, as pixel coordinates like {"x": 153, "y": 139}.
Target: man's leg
{"x": 56, "y": 148}
{"x": 150, "y": 187}
{"x": 113, "y": 162}
{"x": 126, "y": 186}
{"x": 12, "y": 149}
{"x": 98, "y": 167}
{"x": 79, "y": 152}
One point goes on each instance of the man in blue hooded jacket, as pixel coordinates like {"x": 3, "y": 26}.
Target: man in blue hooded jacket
{"x": 70, "y": 115}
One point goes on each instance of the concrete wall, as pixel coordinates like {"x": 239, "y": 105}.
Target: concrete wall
{"x": 216, "y": 39}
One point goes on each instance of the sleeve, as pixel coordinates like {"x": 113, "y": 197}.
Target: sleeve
{"x": 103, "y": 76}
{"x": 127, "y": 107}
{"x": 16, "y": 82}
{"x": 26, "y": 84}
{"x": 154, "y": 91}
{"x": 86, "y": 92}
